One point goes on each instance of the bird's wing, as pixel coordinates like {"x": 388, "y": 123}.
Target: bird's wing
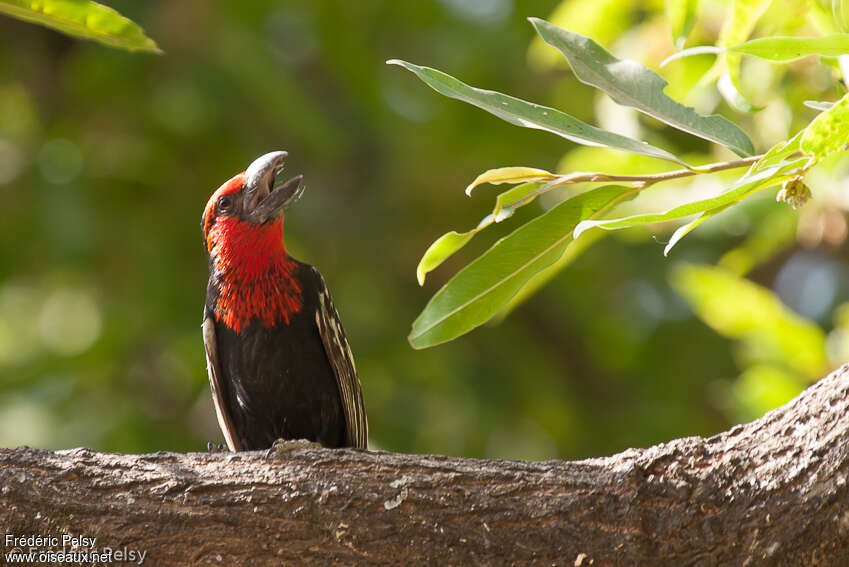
{"x": 342, "y": 360}
{"x": 213, "y": 368}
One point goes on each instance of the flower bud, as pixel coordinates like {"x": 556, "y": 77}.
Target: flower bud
{"x": 794, "y": 192}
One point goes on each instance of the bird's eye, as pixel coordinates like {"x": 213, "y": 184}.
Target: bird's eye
{"x": 225, "y": 203}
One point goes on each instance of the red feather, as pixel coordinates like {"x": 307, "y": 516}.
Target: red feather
{"x": 255, "y": 271}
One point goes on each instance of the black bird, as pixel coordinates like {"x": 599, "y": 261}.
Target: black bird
{"x": 279, "y": 363}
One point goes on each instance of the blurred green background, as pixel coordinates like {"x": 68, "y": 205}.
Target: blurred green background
{"x": 107, "y": 159}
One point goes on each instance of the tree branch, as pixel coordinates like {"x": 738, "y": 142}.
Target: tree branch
{"x": 771, "y": 492}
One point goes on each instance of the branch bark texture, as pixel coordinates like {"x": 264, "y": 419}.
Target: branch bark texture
{"x": 771, "y": 492}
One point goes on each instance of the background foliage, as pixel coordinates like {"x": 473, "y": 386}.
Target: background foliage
{"x": 107, "y": 158}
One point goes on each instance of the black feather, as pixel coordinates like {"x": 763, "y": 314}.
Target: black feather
{"x": 282, "y": 382}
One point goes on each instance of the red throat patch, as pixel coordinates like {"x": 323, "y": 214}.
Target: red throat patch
{"x": 253, "y": 272}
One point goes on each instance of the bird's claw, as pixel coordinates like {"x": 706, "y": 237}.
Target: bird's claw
{"x": 215, "y": 447}
{"x": 282, "y": 448}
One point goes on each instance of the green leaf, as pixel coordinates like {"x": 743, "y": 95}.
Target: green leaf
{"x": 744, "y": 15}
{"x": 740, "y": 309}
{"x": 522, "y": 113}
{"x": 630, "y": 84}
{"x": 779, "y": 152}
{"x": 542, "y": 277}
{"x": 440, "y": 250}
{"x": 451, "y": 242}
{"x": 83, "y": 19}
{"x": 509, "y": 175}
{"x": 518, "y": 196}
{"x": 828, "y": 132}
{"x": 778, "y": 48}
{"x": 682, "y": 17}
{"x": 483, "y": 287}
{"x": 685, "y": 229}
{"x": 745, "y": 187}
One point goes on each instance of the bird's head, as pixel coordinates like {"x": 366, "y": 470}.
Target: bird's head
{"x": 249, "y": 203}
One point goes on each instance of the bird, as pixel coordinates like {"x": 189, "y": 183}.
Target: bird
{"x": 279, "y": 363}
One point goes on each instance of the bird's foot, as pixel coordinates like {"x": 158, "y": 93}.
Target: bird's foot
{"x": 283, "y": 447}
{"x": 216, "y": 447}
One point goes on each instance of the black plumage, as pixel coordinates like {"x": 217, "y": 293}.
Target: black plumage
{"x": 279, "y": 382}
{"x": 295, "y": 378}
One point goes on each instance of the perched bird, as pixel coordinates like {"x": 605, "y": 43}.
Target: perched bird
{"x": 279, "y": 362}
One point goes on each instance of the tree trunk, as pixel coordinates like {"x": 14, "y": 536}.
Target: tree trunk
{"x": 771, "y": 492}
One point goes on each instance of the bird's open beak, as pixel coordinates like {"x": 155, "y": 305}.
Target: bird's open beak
{"x": 263, "y": 201}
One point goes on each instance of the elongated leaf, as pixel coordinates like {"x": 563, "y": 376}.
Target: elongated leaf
{"x": 682, "y": 17}
{"x": 778, "y": 48}
{"x": 789, "y": 48}
{"x": 542, "y": 277}
{"x": 83, "y": 19}
{"x": 686, "y": 229}
{"x": 518, "y": 195}
{"x": 522, "y": 113}
{"x": 829, "y": 132}
{"x": 744, "y": 15}
{"x": 450, "y": 242}
{"x": 745, "y": 187}
{"x": 483, "y": 287}
{"x": 509, "y": 175}
{"x": 778, "y": 153}
{"x": 630, "y": 84}
{"x": 440, "y": 250}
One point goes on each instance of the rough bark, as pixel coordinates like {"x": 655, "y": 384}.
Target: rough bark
{"x": 771, "y": 492}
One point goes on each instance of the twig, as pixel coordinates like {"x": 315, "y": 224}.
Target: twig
{"x": 641, "y": 181}
{"x": 581, "y": 177}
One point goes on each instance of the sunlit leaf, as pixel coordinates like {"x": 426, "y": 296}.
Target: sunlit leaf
{"x": 685, "y": 229}
{"x": 509, "y": 175}
{"x": 440, "y": 250}
{"x": 738, "y": 26}
{"x": 790, "y": 48}
{"x": 745, "y": 187}
{"x": 83, "y": 19}
{"x": 483, "y": 287}
{"x": 829, "y": 132}
{"x": 631, "y": 84}
{"x": 740, "y": 309}
{"x": 779, "y": 152}
{"x": 778, "y": 48}
{"x": 529, "y": 115}
{"x": 681, "y": 15}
